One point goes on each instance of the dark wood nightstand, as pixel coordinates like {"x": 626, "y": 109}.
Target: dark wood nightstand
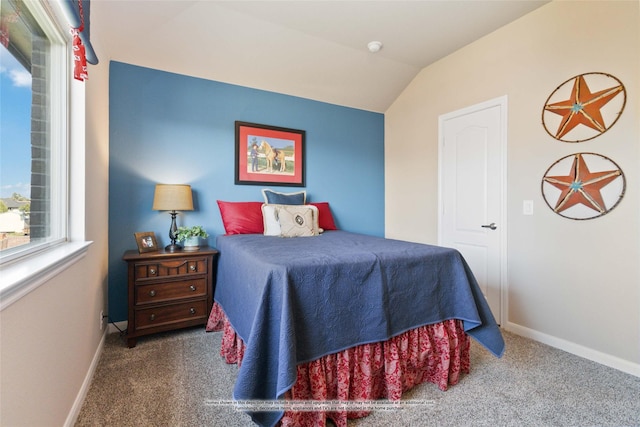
{"x": 169, "y": 290}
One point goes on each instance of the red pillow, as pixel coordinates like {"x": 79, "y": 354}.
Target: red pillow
{"x": 241, "y": 217}
{"x": 325, "y": 218}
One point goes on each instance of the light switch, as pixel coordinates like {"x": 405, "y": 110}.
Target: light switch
{"x": 527, "y": 207}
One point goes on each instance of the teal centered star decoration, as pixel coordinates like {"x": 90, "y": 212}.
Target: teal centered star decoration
{"x": 582, "y": 186}
{"x": 583, "y": 107}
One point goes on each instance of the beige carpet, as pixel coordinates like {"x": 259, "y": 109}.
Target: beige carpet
{"x": 167, "y": 380}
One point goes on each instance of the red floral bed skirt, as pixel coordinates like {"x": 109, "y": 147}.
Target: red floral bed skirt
{"x": 435, "y": 353}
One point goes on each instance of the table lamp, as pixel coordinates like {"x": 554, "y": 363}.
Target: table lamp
{"x": 173, "y": 198}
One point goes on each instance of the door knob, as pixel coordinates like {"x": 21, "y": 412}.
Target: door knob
{"x": 492, "y": 226}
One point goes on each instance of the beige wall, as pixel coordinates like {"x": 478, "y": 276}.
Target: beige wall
{"x": 558, "y": 286}
{"x": 50, "y": 337}
{"x": 572, "y": 284}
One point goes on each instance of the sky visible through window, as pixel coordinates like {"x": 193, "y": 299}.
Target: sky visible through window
{"x": 15, "y": 127}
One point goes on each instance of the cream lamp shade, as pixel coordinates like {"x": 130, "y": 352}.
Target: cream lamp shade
{"x": 172, "y": 197}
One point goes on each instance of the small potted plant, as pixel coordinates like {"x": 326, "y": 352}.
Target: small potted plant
{"x": 191, "y": 236}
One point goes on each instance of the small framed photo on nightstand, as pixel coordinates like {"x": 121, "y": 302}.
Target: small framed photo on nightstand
{"x": 146, "y": 241}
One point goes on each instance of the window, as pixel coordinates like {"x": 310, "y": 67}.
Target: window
{"x": 34, "y": 77}
{"x": 33, "y": 46}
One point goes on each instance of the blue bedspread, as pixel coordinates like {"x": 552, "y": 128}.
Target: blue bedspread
{"x": 293, "y": 300}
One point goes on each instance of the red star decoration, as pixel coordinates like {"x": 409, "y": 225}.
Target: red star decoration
{"x": 583, "y": 107}
{"x": 581, "y": 186}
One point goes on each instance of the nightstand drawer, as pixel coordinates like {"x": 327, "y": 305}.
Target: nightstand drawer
{"x": 167, "y": 291}
{"x": 166, "y": 268}
{"x": 163, "y": 315}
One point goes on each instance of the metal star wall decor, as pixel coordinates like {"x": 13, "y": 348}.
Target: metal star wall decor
{"x": 584, "y": 107}
{"x": 583, "y": 186}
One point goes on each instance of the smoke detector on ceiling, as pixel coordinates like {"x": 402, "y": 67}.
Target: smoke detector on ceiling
{"x": 374, "y": 46}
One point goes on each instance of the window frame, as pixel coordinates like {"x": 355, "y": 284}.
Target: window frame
{"x": 26, "y": 268}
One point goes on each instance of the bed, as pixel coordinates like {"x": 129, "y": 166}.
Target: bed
{"x": 343, "y": 316}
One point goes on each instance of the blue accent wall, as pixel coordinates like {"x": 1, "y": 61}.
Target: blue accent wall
{"x": 173, "y": 129}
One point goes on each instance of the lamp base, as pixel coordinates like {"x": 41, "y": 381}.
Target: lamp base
{"x": 173, "y": 248}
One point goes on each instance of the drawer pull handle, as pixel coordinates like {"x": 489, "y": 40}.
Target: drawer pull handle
{"x": 152, "y": 271}
{"x": 192, "y": 267}
{"x": 192, "y": 310}
{"x": 152, "y": 293}
{"x": 152, "y": 317}
{"x": 192, "y": 287}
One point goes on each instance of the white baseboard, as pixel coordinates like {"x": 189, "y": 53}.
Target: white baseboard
{"x": 82, "y": 394}
{"x": 577, "y": 349}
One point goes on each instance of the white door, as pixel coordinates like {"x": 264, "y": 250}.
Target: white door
{"x": 472, "y": 192}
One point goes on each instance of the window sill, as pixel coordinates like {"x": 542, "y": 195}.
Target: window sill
{"x": 22, "y": 277}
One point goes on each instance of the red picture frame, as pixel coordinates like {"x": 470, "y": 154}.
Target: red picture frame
{"x": 269, "y": 155}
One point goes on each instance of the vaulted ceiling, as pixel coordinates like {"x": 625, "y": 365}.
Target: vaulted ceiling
{"x": 311, "y": 49}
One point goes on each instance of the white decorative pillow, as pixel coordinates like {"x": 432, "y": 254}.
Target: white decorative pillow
{"x": 297, "y": 220}
{"x": 270, "y": 220}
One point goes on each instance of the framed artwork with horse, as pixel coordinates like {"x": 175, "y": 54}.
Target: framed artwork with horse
{"x": 269, "y": 155}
